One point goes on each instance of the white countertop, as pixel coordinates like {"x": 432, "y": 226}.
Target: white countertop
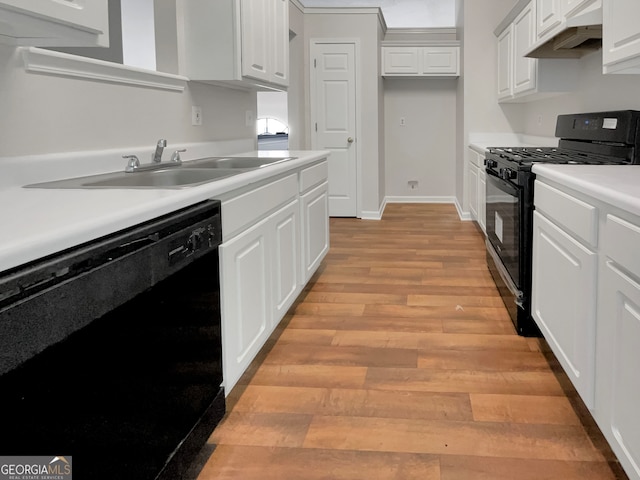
{"x": 617, "y": 185}
{"x": 39, "y": 222}
{"x": 481, "y": 141}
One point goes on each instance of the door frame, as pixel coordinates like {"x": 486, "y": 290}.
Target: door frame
{"x": 313, "y": 107}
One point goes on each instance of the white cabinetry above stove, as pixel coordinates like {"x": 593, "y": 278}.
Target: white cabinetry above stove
{"x": 523, "y": 79}
{"x": 621, "y": 37}
{"x": 49, "y": 23}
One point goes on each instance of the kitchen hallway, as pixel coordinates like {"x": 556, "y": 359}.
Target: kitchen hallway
{"x": 399, "y": 361}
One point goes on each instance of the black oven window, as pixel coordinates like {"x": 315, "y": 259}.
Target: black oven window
{"x": 503, "y": 224}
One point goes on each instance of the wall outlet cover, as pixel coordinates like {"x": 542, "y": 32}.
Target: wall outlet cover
{"x": 196, "y": 116}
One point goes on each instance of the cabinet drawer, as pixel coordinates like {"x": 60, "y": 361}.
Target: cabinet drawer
{"x": 246, "y": 209}
{"x": 575, "y": 216}
{"x": 622, "y": 240}
{"x": 314, "y": 175}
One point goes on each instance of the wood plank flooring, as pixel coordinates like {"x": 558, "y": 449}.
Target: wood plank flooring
{"x": 399, "y": 361}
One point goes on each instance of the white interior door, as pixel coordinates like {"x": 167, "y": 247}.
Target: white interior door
{"x": 333, "y": 121}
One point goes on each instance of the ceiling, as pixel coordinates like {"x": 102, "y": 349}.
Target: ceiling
{"x": 402, "y": 13}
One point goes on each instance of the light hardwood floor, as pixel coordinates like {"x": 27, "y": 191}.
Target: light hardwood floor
{"x": 399, "y": 361}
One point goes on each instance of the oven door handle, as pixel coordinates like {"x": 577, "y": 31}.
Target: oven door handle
{"x": 506, "y": 278}
{"x": 501, "y": 183}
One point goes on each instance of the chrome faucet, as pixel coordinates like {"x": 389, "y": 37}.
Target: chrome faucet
{"x": 157, "y": 155}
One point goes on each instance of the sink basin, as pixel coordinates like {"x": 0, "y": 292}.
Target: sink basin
{"x": 164, "y": 178}
{"x": 235, "y": 162}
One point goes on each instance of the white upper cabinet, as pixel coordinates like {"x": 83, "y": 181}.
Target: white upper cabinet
{"x": 524, "y": 68}
{"x": 621, "y": 37}
{"x": 240, "y": 42}
{"x": 400, "y": 60}
{"x": 505, "y": 64}
{"x": 548, "y": 16}
{"x": 523, "y": 79}
{"x": 421, "y": 60}
{"x": 49, "y": 23}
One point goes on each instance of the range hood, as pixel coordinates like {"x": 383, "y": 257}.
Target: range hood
{"x": 579, "y": 35}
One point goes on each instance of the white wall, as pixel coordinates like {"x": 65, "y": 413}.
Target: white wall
{"x": 273, "y": 105}
{"x": 297, "y": 102}
{"x": 365, "y": 28}
{"x": 477, "y": 90}
{"x": 594, "y": 92}
{"x": 424, "y": 149}
{"x": 45, "y": 114}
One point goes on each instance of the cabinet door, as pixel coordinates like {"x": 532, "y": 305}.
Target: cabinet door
{"x": 286, "y": 259}
{"x": 255, "y": 16}
{"x": 570, "y": 8}
{"x": 618, "y": 357}
{"x": 400, "y": 60}
{"x": 55, "y": 22}
{"x": 564, "y": 286}
{"x": 505, "y": 65}
{"x": 84, "y": 15}
{"x": 473, "y": 191}
{"x": 482, "y": 199}
{"x": 280, "y": 49}
{"x": 440, "y": 61}
{"x": 548, "y": 15}
{"x": 524, "y": 68}
{"x": 621, "y": 36}
{"x": 245, "y": 299}
{"x": 315, "y": 232}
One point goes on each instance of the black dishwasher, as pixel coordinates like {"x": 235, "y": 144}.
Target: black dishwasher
{"x": 110, "y": 352}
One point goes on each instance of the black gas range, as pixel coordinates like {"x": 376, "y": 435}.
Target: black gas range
{"x": 602, "y": 138}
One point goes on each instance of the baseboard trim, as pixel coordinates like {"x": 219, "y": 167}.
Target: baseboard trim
{"x": 377, "y": 215}
{"x": 373, "y": 215}
{"x": 464, "y": 216}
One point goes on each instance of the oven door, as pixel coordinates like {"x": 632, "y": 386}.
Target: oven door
{"x": 503, "y": 224}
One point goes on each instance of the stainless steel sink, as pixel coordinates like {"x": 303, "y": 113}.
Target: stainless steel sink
{"x": 162, "y": 178}
{"x": 235, "y": 162}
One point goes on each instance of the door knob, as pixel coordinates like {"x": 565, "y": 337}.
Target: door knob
{"x": 350, "y": 139}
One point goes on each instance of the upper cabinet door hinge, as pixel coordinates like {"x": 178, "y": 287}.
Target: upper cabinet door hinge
{"x": 315, "y": 63}
{"x": 316, "y": 126}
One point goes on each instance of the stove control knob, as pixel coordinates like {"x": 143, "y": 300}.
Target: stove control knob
{"x": 490, "y": 163}
{"x": 508, "y": 174}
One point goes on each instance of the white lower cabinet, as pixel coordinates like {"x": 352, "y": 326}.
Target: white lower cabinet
{"x": 477, "y": 188}
{"x": 274, "y": 237}
{"x": 618, "y": 344}
{"x": 482, "y": 199}
{"x": 245, "y": 288}
{"x": 586, "y": 301}
{"x": 315, "y": 214}
{"x": 563, "y": 301}
{"x": 286, "y": 259}
{"x": 473, "y": 191}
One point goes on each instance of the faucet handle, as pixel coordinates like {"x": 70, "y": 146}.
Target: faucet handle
{"x": 133, "y": 164}
{"x": 176, "y": 155}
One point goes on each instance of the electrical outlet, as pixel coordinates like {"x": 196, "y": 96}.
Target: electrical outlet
{"x": 413, "y": 184}
{"x": 248, "y": 118}
{"x": 196, "y": 115}
{"x": 402, "y": 122}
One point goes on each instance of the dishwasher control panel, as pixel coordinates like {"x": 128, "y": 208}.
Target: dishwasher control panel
{"x": 195, "y": 241}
